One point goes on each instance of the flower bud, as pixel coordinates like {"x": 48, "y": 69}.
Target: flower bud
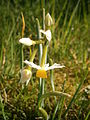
{"x": 25, "y": 76}
{"x": 27, "y": 41}
{"x": 48, "y": 20}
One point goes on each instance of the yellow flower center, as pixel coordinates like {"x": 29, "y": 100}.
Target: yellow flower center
{"x": 41, "y": 74}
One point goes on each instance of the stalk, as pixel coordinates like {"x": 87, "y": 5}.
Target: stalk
{"x": 21, "y": 46}
{"x": 87, "y": 117}
{"x": 42, "y": 64}
{"x": 40, "y": 54}
{"x": 44, "y": 113}
{"x": 21, "y": 56}
{"x": 33, "y": 55}
{"x": 51, "y": 76}
{"x": 42, "y": 4}
{"x": 38, "y": 37}
{"x": 55, "y": 93}
{"x": 44, "y": 55}
{"x": 43, "y": 60}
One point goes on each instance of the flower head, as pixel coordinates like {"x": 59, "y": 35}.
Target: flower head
{"x": 41, "y": 71}
{"x": 27, "y": 41}
{"x": 47, "y": 34}
{"x": 25, "y": 76}
{"x": 48, "y": 20}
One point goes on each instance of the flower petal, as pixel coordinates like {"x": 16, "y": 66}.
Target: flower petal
{"x": 31, "y": 64}
{"x": 27, "y": 41}
{"x": 55, "y": 65}
{"x": 47, "y": 33}
{"x": 46, "y": 65}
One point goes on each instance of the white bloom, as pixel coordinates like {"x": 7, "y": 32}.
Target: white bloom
{"x": 25, "y": 76}
{"x": 41, "y": 71}
{"x": 48, "y": 20}
{"x": 27, "y": 41}
{"x": 47, "y": 34}
{"x": 46, "y": 66}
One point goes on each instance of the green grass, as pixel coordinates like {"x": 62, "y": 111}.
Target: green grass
{"x": 70, "y": 45}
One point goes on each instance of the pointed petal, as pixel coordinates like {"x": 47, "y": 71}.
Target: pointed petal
{"x": 55, "y": 65}
{"x": 27, "y": 41}
{"x": 48, "y": 35}
{"x": 46, "y": 65}
{"x": 31, "y": 64}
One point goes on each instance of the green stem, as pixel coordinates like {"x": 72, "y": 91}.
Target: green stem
{"x": 43, "y": 60}
{"x": 55, "y": 93}
{"x": 21, "y": 56}
{"x": 40, "y": 55}
{"x": 87, "y": 115}
{"x": 42, "y": 4}
{"x": 38, "y": 37}
{"x": 33, "y": 55}
{"x": 44, "y": 56}
{"x": 43, "y": 19}
{"x": 56, "y": 108}
{"x": 61, "y": 104}
{"x": 51, "y": 76}
{"x": 39, "y": 42}
{"x": 44, "y": 113}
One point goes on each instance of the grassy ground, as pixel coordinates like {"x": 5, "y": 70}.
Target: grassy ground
{"x": 70, "y": 45}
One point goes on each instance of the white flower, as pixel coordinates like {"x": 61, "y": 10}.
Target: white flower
{"x": 47, "y": 34}
{"x": 41, "y": 71}
{"x": 27, "y": 41}
{"x": 48, "y": 20}
{"x": 25, "y": 76}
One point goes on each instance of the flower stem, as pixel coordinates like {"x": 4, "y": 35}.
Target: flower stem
{"x": 33, "y": 55}
{"x": 43, "y": 60}
{"x": 40, "y": 55}
{"x": 44, "y": 56}
{"x": 38, "y": 37}
{"x": 51, "y": 76}
{"x": 55, "y": 93}
{"x": 21, "y": 56}
{"x": 21, "y": 46}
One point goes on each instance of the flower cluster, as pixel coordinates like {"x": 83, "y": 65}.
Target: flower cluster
{"x": 41, "y": 69}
